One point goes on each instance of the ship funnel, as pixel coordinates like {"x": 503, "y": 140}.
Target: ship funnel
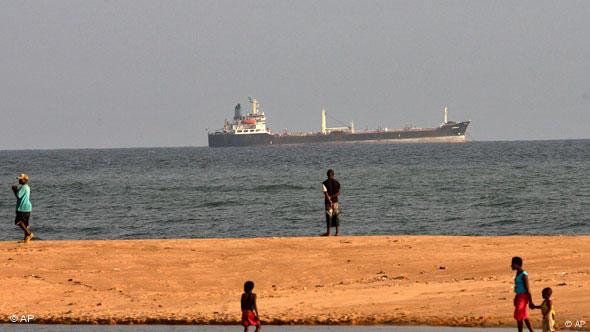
{"x": 323, "y": 121}
{"x": 446, "y": 114}
{"x": 238, "y": 112}
{"x": 254, "y": 103}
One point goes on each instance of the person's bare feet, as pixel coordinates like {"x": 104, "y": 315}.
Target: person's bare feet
{"x": 337, "y": 234}
{"x": 28, "y": 238}
{"x": 326, "y": 234}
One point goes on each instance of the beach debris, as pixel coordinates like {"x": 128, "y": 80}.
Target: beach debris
{"x": 442, "y": 268}
{"x": 400, "y": 277}
{"x": 562, "y": 284}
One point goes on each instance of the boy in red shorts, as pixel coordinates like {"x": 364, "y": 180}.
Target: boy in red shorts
{"x": 249, "y": 308}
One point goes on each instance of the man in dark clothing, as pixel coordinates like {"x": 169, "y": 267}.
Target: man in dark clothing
{"x": 331, "y": 189}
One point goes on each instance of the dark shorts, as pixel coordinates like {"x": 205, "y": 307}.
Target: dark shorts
{"x": 333, "y": 215}
{"x": 22, "y": 216}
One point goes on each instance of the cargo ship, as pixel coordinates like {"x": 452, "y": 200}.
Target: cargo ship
{"x": 251, "y": 130}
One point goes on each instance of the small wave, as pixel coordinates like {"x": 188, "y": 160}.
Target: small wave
{"x": 279, "y": 187}
{"x": 452, "y": 218}
{"x": 581, "y": 224}
{"x": 494, "y": 204}
{"x": 208, "y": 189}
{"x": 500, "y": 222}
{"x": 217, "y": 203}
{"x": 506, "y": 203}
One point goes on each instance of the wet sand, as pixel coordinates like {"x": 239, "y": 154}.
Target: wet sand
{"x": 415, "y": 280}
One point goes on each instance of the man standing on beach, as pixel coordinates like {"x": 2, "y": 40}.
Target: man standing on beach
{"x": 23, "y": 205}
{"x": 331, "y": 189}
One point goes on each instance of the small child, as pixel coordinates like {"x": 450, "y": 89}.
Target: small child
{"x": 547, "y": 310}
{"x": 249, "y": 308}
{"x": 523, "y": 297}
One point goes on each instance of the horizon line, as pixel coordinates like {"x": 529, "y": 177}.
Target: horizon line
{"x": 206, "y": 146}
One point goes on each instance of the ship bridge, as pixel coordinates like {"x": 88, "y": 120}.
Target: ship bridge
{"x": 251, "y": 123}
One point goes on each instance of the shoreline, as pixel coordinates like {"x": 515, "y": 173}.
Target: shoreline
{"x": 351, "y": 280}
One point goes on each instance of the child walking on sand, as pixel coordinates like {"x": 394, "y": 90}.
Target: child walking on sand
{"x": 547, "y": 310}
{"x": 523, "y": 297}
{"x": 249, "y": 308}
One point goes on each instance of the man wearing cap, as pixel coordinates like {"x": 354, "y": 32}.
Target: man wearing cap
{"x": 23, "y": 205}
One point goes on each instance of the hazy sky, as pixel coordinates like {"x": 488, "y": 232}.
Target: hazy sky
{"x": 158, "y": 73}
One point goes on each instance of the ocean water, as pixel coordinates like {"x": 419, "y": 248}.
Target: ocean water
{"x": 478, "y": 188}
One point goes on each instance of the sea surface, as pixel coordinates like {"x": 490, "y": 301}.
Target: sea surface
{"x": 477, "y": 188}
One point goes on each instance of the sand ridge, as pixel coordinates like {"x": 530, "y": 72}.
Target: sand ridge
{"x": 432, "y": 280}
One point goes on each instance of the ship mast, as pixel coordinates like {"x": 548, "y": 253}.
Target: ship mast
{"x": 446, "y": 114}
{"x": 323, "y": 121}
{"x": 325, "y": 130}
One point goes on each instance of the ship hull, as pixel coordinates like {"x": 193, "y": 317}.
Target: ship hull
{"x": 227, "y": 139}
{"x": 448, "y": 133}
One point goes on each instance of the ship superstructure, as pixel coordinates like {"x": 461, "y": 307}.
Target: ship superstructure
{"x": 251, "y": 123}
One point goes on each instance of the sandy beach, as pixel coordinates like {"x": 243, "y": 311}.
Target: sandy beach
{"x": 427, "y": 280}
